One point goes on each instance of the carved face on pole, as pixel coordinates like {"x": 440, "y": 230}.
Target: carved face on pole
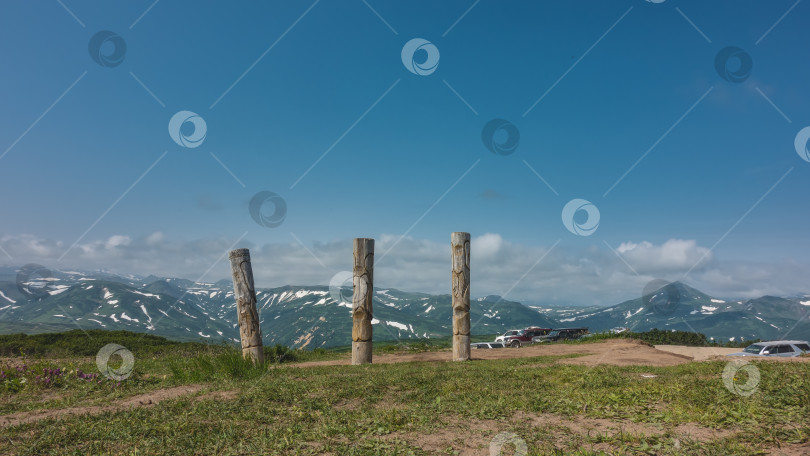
{"x": 361, "y": 300}
{"x": 461, "y": 275}
{"x": 461, "y": 283}
{"x": 361, "y": 312}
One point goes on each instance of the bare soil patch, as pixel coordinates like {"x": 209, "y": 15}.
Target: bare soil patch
{"x": 697, "y": 353}
{"x": 141, "y": 400}
{"x": 720, "y": 354}
{"x": 584, "y": 425}
{"x": 791, "y": 450}
{"x": 618, "y": 352}
{"x": 562, "y": 433}
{"x": 472, "y": 438}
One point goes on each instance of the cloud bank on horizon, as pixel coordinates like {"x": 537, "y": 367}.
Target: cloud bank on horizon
{"x": 592, "y": 275}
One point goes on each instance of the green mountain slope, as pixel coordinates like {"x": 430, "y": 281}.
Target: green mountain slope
{"x": 312, "y": 316}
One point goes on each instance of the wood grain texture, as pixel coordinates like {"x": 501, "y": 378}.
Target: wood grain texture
{"x": 244, "y": 292}
{"x": 460, "y": 280}
{"x": 362, "y": 311}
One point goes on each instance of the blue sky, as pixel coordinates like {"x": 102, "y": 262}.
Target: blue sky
{"x": 279, "y": 84}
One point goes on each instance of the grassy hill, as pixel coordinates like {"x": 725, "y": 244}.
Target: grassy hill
{"x": 187, "y": 398}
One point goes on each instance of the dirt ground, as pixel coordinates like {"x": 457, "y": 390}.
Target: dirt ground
{"x": 698, "y": 353}
{"x": 619, "y": 352}
{"x": 478, "y": 434}
{"x": 715, "y": 353}
{"x": 141, "y": 400}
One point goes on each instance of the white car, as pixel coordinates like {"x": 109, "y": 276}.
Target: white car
{"x": 511, "y": 332}
{"x": 782, "y": 348}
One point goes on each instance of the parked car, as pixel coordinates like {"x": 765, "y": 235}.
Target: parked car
{"x": 524, "y": 336}
{"x": 561, "y": 334}
{"x": 487, "y": 345}
{"x": 782, "y": 348}
{"x": 511, "y": 332}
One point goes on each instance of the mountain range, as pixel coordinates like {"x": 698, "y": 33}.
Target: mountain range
{"x": 318, "y": 316}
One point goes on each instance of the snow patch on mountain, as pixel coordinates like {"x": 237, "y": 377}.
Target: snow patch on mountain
{"x": 7, "y": 298}
{"x": 630, "y": 314}
{"x": 127, "y": 317}
{"x": 148, "y": 295}
{"x": 149, "y": 319}
{"x": 397, "y": 325}
{"x": 385, "y": 293}
{"x": 59, "y": 289}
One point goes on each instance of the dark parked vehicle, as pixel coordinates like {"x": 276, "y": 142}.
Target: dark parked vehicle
{"x": 561, "y": 334}
{"x": 524, "y": 336}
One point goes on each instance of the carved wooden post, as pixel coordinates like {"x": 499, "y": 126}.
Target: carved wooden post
{"x": 361, "y": 300}
{"x": 460, "y": 244}
{"x": 245, "y": 294}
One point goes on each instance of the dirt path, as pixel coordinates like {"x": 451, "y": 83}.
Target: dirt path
{"x": 718, "y": 353}
{"x": 618, "y": 352}
{"x": 141, "y": 400}
{"x": 697, "y": 353}
{"x": 478, "y": 434}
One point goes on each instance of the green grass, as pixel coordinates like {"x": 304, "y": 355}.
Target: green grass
{"x": 411, "y": 408}
{"x": 87, "y": 343}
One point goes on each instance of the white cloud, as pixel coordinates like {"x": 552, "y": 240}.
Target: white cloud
{"x": 116, "y": 241}
{"x": 154, "y": 238}
{"x": 487, "y": 245}
{"x": 593, "y": 275}
{"x": 672, "y": 255}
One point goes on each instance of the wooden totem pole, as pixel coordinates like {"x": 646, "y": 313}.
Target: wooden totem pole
{"x": 460, "y": 243}
{"x": 245, "y": 294}
{"x": 362, "y": 312}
